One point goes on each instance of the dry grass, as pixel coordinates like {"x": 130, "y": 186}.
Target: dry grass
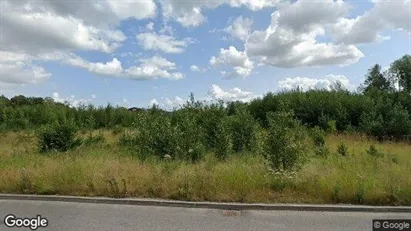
{"x": 107, "y": 170}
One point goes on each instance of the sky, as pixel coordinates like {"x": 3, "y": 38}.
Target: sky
{"x": 144, "y": 52}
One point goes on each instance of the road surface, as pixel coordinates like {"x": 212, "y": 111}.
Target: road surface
{"x": 72, "y": 216}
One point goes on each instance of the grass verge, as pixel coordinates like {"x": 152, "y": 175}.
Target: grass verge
{"x": 105, "y": 169}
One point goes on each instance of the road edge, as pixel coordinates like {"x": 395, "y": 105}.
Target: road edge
{"x": 210, "y": 205}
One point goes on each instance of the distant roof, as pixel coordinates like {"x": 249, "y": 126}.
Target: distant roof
{"x": 135, "y": 109}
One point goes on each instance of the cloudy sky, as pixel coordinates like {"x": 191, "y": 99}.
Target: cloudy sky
{"x": 139, "y": 52}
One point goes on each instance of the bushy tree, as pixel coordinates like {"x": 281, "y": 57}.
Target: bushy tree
{"x": 210, "y": 119}
{"x": 401, "y": 70}
{"x": 242, "y": 128}
{"x": 285, "y": 147}
{"x": 223, "y": 142}
{"x": 188, "y": 137}
{"x": 57, "y": 137}
{"x": 375, "y": 79}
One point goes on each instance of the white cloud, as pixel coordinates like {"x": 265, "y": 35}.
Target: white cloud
{"x": 167, "y": 103}
{"x": 195, "y": 68}
{"x": 307, "y": 16}
{"x": 6, "y": 56}
{"x": 166, "y": 29}
{"x": 253, "y": 5}
{"x": 125, "y": 103}
{"x": 306, "y": 84}
{"x": 173, "y": 103}
{"x": 240, "y": 28}
{"x": 150, "y": 26}
{"x": 133, "y": 8}
{"x": 290, "y": 40}
{"x": 241, "y": 64}
{"x": 90, "y": 11}
{"x": 72, "y": 101}
{"x": 234, "y": 94}
{"x": 367, "y": 28}
{"x": 93, "y": 96}
{"x": 189, "y": 13}
{"x": 192, "y": 18}
{"x": 21, "y": 73}
{"x": 151, "y": 68}
{"x": 110, "y": 68}
{"x": 35, "y": 33}
{"x": 161, "y": 42}
{"x": 153, "y": 102}
{"x": 34, "y": 30}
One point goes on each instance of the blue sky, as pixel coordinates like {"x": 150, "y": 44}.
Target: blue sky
{"x": 134, "y": 53}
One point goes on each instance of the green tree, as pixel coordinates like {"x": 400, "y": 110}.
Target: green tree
{"x": 401, "y": 70}
{"x": 375, "y": 79}
{"x": 286, "y": 146}
{"x": 242, "y": 128}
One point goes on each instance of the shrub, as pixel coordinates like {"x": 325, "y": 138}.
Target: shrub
{"x": 159, "y": 134}
{"x": 97, "y": 139}
{"x": 117, "y": 130}
{"x": 332, "y": 126}
{"x": 322, "y": 151}
{"x": 17, "y": 124}
{"x": 126, "y": 140}
{"x": 374, "y": 152}
{"x": 57, "y": 137}
{"x": 222, "y": 146}
{"x": 327, "y": 124}
{"x": 342, "y": 149}
{"x": 318, "y": 137}
{"x": 210, "y": 119}
{"x": 154, "y": 135}
{"x": 187, "y": 138}
{"x": 242, "y": 127}
{"x": 285, "y": 147}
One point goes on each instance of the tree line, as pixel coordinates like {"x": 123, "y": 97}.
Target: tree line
{"x": 381, "y": 107}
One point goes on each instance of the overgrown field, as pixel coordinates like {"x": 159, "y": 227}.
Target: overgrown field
{"x": 106, "y": 169}
{"x": 317, "y": 146}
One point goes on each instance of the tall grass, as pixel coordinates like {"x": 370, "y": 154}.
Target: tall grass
{"x": 106, "y": 169}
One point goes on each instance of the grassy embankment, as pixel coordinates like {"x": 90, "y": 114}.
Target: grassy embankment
{"x": 109, "y": 170}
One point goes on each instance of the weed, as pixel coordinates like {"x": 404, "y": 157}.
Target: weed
{"x": 372, "y": 151}
{"x": 342, "y": 149}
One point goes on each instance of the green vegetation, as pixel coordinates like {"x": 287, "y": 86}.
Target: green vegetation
{"x": 107, "y": 169}
{"x": 316, "y": 147}
{"x": 57, "y": 137}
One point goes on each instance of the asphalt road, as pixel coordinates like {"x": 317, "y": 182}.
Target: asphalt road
{"x": 82, "y": 216}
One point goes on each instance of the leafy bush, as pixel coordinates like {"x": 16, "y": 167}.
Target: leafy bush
{"x": 94, "y": 139}
{"x": 159, "y": 134}
{"x": 222, "y": 146}
{"x": 17, "y": 124}
{"x": 374, "y": 152}
{"x": 154, "y": 135}
{"x": 318, "y": 137}
{"x": 327, "y": 124}
{"x": 57, "y": 137}
{"x": 117, "y": 129}
{"x": 342, "y": 149}
{"x": 332, "y": 126}
{"x": 242, "y": 128}
{"x": 285, "y": 147}
{"x": 188, "y": 137}
{"x": 210, "y": 119}
{"x": 127, "y": 140}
